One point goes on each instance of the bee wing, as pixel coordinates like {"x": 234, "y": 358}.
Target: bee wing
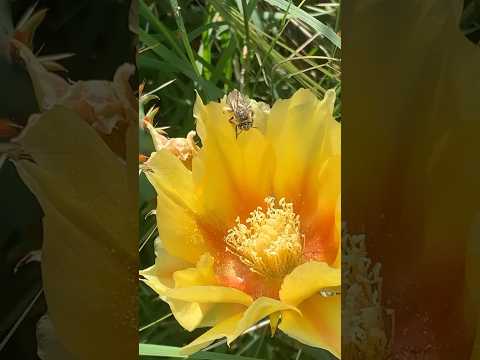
{"x": 232, "y": 94}
{"x": 233, "y": 99}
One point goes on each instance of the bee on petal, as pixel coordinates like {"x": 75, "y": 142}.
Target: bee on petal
{"x": 241, "y": 111}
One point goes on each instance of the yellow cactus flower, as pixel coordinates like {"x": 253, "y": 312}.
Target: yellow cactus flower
{"x": 252, "y": 230}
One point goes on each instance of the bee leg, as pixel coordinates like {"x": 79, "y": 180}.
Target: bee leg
{"x": 236, "y": 132}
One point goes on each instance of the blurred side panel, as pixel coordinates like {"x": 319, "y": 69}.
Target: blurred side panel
{"x": 68, "y": 179}
{"x": 410, "y": 182}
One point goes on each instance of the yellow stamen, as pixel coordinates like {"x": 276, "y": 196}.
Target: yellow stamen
{"x": 271, "y": 243}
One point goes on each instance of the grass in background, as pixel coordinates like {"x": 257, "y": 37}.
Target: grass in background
{"x": 267, "y": 49}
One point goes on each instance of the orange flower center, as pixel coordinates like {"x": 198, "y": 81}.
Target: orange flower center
{"x": 270, "y": 243}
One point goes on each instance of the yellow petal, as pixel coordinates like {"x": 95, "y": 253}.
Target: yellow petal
{"x": 192, "y": 315}
{"x": 179, "y": 230}
{"x": 320, "y": 212}
{"x": 213, "y": 124}
{"x": 236, "y": 325}
{"x": 327, "y": 185}
{"x": 260, "y": 309}
{"x": 236, "y": 164}
{"x": 306, "y": 280}
{"x": 338, "y": 232}
{"x": 189, "y": 315}
{"x": 160, "y": 276}
{"x": 177, "y": 225}
{"x": 261, "y": 111}
{"x": 218, "y": 159}
{"x": 169, "y": 271}
{"x": 210, "y": 294}
{"x": 218, "y": 312}
{"x": 169, "y": 176}
{"x": 258, "y": 166}
{"x": 274, "y": 320}
{"x": 203, "y": 274}
{"x": 223, "y": 329}
{"x": 304, "y": 134}
{"x": 318, "y": 326}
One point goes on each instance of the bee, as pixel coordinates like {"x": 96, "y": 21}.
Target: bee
{"x": 241, "y": 111}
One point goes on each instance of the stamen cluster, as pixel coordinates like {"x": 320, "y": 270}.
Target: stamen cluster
{"x": 270, "y": 242}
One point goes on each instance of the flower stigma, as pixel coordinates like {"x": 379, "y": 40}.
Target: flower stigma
{"x": 270, "y": 243}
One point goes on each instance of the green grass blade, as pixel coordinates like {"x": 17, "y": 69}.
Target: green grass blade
{"x": 147, "y": 14}
{"x": 198, "y": 31}
{"x": 148, "y": 63}
{"x": 224, "y": 58}
{"x": 180, "y": 64}
{"x": 184, "y": 34}
{"x": 308, "y": 19}
{"x": 263, "y": 42}
{"x": 166, "y": 54}
{"x": 159, "y": 350}
{"x": 174, "y": 352}
{"x": 148, "y": 326}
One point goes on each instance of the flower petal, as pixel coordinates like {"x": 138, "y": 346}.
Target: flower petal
{"x": 160, "y": 275}
{"x": 318, "y": 326}
{"x": 169, "y": 271}
{"x": 188, "y": 314}
{"x": 218, "y": 159}
{"x": 304, "y": 134}
{"x": 177, "y": 224}
{"x": 223, "y": 329}
{"x": 258, "y": 169}
{"x": 210, "y": 294}
{"x": 261, "y": 111}
{"x": 260, "y": 309}
{"x": 306, "y": 280}
{"x": 313, "y": 155}
{"x": 168, "y": 175}
{"x": 320, "y": 212}
{"x": 203, "y": 274}
{"x": 179, "y": 230}
{"x": 193, "y": 315}
{"x": 237, "y": 324}
{"x": 235, "y": 164}
{"x": 338, "y": 232}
